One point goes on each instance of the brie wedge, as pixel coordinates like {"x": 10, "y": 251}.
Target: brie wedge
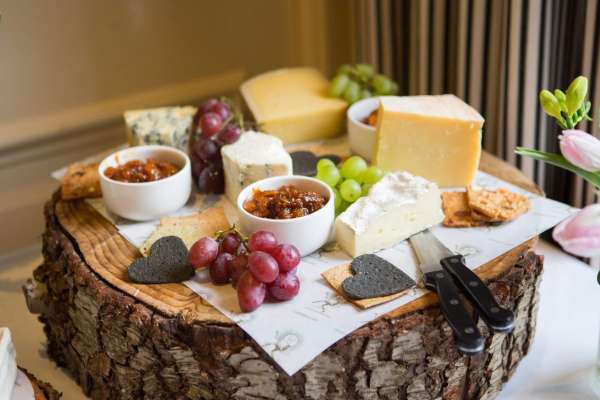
{"x": 397, "y": 207}
{"x": 8, "y": 364}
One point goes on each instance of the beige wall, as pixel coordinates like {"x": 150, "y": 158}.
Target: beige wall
{"x": 58, "y": 54}
{"x": 69, "y": 68}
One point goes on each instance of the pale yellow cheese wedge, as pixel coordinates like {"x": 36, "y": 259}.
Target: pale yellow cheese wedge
{"x": 436, "y": 137}
{"x": 292, "y": 103}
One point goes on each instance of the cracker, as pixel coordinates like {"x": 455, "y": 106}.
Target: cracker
{"x": 337, "y": 275}
{"x": 189, "y": 228}
{"x": 81, "y": 181}
{"x": 458, "y": 214}
{"x": 498, "y": 205}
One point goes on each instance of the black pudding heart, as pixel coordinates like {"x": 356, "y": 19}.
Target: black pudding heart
{"x": 305, "y": 162}
{"x": 167, "y": 263}
{"x": 375, "y": 277}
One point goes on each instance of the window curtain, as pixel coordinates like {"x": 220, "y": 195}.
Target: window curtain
{"x": 496, "y": 55}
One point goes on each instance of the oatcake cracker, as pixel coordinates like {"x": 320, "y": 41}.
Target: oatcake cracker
{"x": 499, "y": 204}
{"x": 189, "y": 228}
{"x": 81, "y": 181}
{"x": 458, "y": 214}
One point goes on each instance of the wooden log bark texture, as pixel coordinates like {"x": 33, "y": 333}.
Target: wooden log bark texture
{"x": 119, "y": 348}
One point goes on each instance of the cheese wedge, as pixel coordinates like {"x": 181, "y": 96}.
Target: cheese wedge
{"x": 436, "y": 137}
{"x": 398, "y": 206}
{"x": 253, "y": 157}
{"x": 169, "y": 126}
{"x": 8, "y": 364}
{"x": 292, "y": 103}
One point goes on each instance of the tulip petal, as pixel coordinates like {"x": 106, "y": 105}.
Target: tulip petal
{"x": 580, "y": 233}
{"x": 581, "y": 149}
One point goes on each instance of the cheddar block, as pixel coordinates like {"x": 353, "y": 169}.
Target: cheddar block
{"x": 436, "y": 137}
{"x": 292, "y": 103}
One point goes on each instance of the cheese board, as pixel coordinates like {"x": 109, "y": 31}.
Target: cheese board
{"x": 287, "y": 274}
{"x": 169, "y": 328}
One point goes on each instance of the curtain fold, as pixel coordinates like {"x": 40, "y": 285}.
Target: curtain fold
{"x": 496, "y": 55}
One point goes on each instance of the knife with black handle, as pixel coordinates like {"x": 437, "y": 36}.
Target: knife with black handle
{"x": 468, "y": 338}
{"x": 498, "y": 318}
{"x": 435, "y": 257}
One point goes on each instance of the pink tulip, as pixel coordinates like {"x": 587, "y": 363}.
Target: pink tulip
{"x": 581, "y": 149}
{"x": 580, "y": 233}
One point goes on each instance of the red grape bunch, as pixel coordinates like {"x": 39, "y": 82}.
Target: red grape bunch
{"x": 256, "y": 267}
{"x": 216, "y": 123}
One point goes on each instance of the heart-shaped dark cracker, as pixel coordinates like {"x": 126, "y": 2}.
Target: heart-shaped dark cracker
{"x": 167, "y": 263}
{"x": 305, "y": 162}
{"x": 375, "y": 277}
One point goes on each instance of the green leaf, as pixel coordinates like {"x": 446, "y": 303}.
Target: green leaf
{"x": 561, "y": 162}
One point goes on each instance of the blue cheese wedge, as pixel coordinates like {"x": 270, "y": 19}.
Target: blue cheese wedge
{"x": 8, "y": 364}
{"x": 253, "y": 157}
{"x": 396, "y": 207}
{"x": 169, "y": 126}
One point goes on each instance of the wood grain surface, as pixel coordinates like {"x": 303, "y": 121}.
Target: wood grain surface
{"x": 109, "y": 254}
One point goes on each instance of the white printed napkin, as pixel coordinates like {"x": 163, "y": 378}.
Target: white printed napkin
{"x": 295, "y": 332}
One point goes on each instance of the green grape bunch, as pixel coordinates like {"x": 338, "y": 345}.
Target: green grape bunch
{"x": 570, "y": 108}
{"x": 357, "y": 82}
{"x": 351, "y": 181}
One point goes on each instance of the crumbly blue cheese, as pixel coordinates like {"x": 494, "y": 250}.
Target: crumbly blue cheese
{"x": 169, "y": 126}
{"x": 253, "y": 157}
{"x": 8, "y": 364}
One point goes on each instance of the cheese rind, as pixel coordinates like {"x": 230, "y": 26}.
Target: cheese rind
{"x": 292, "y": 103}
{"x": 397, "y": 207}
{"x": 253, "y": 157}
{"x": 436, "y": 137}
{"x": 169, "y": 126}
{"x": 8, "y": 364}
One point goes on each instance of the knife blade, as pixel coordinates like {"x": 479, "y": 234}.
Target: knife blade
{"x": 468, "y": 338}
{"x": 498, "y": 318}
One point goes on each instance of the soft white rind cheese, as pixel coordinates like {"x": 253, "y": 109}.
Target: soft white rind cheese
{"x": 169, "y": 126}
{"x": 398, "y": 206}
{"x": 8, "y": 364}
{"x": 253, "y": 157}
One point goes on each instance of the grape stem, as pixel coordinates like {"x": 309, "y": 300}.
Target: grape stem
{"x": 219, "y": 235}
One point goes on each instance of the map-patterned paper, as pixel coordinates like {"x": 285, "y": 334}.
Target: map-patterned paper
{"x": 295, "y": 332}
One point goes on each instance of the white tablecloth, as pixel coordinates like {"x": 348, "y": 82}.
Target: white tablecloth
{"x": 563, "y": 355}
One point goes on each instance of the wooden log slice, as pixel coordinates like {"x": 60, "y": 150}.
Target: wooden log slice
{"x": 126, "y": 342}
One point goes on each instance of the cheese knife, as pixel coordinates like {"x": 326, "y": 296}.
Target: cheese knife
{"x": 436, "y": 259}
{"x": 468, "y": 338}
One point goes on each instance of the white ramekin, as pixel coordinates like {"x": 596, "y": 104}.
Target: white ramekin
{"x": 361, "y": 136}
{"x": 308, "y": 233}
{"x": 147, "y": 200}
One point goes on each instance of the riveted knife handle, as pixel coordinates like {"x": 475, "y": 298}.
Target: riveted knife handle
{"x": 468, "y": 338}
{"x": 498, "y": 318}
